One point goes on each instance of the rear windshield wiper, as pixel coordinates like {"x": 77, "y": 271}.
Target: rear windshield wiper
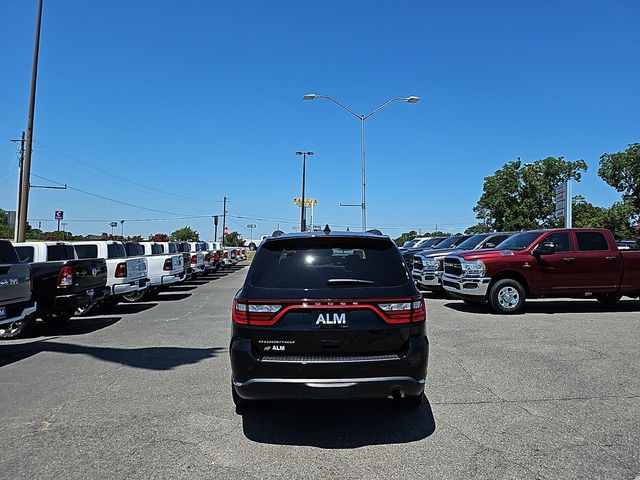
{"x": 346, "y": 281}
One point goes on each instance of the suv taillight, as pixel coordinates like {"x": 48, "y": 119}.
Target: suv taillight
{"x": 256, "y": 314}
{"x": 226, "y": 254}
{"x": 409, "y": 311}
{"x": 194, "y": 259}
{"x": 207, "y": 258}
{"x": 121, "y": 270}
{"x": 65, "y": 277}
{"x": 168, "y": 265}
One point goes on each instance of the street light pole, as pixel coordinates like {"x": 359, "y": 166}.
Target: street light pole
{"x": 363, "y": 118}
{"x": 303, "y": 220}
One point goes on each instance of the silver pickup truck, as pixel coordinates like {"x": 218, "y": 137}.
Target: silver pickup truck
{"x": 16, "y": 304}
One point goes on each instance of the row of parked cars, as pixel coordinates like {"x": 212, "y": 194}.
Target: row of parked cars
{"x": 52, "y": 281}
{"x": 503, "y": 269}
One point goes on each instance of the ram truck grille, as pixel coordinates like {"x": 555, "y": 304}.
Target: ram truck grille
{"x": 452, "y": 266}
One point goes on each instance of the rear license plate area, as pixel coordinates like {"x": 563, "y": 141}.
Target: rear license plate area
{"x": 330, "y": 319}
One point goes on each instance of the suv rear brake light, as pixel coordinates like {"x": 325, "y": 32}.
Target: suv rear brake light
{"x": 65, "y": 277}
{"x": 121, "y": 270}
{"x": 168, "y": 265}
{"x": 403, "y": 312}
{"x": 194, "y": 259}
{"x": 255, "y": 314}
{"x": 226, "y": 254}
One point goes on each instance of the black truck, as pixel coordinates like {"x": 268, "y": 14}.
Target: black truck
{"x": 62, "y": 283}
{"x": 17, "y": 306}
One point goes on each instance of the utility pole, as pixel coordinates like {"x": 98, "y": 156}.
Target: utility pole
{"x": 20, "y": 165}
{"x": 26, "y": 171}
{"x": 224, "y": 219}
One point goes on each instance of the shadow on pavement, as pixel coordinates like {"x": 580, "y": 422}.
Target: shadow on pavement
{"x": 75, "y": 326}
{"x": 171, "y": 297}
{"x": 181, "y": 288}
{"x": 553, "y": 307}
{"x": 128, "y": 308}
{"x": 337, "y": 424}
{"x": 149, "y": 358}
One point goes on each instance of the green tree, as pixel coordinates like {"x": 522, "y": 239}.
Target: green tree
{"x": 185, "y": 234}
{"x": 405, "y": 237}
{"x": 159, "y": 237}
{"x": 5, "y": 232}
{"x": 233, "y": 239}
{"x": 520, "y": 196}
{"x": 617, "y": 218}
{"x": 622, "y": 171}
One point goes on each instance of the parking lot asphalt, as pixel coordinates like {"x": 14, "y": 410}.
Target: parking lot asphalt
{"x": 143, "y": 391}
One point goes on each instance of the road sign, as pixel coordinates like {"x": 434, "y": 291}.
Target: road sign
{"x": 308, "y": 202}
{"x": 251, "y": 225}
{"x": 113, "y": 224}
{"x": 59, "y": 215}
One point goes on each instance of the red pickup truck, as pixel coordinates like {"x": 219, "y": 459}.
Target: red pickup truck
{"x": 573, "y": 262}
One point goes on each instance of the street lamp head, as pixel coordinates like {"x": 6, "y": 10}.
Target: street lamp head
{"x": 412, "y": 99}
{"x": 304, "y": 153}
{"x": 310, "y": 96}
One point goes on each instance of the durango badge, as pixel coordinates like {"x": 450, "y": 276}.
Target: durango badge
{"x": 337, "y": 319}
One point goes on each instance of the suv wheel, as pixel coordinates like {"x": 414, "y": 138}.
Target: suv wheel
{"x": 507, "y": 296}
{"x": 252, "y": 246}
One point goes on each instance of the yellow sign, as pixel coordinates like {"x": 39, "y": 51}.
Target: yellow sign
{"x": 308, "y": 202}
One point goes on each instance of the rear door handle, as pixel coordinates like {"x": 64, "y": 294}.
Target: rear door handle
{"x": 610, "y": 259}
{"x": 568, "y": 259}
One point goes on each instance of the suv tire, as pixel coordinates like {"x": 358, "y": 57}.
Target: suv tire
{"x": 507, "y": 296}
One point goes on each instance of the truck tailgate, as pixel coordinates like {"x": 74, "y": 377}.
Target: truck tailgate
{"x": 136, "y": 268}
{"x": 89, "y": 273}
{"x": 15, "y": 284}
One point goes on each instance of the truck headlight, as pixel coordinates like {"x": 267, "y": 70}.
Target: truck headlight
{"x": 474, "y": 268}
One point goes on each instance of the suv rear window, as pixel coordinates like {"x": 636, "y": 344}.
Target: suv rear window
{"x": 60, "y": 252}
{"x": 320, "y": 263}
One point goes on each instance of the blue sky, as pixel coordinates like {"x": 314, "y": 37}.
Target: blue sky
{"x": 172, "y": 105}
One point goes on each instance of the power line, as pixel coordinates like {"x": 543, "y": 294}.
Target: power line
{"x": 107, "y": 198}
{"x": 93, "y": 168}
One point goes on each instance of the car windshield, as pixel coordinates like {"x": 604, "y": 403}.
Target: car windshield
{"x": 472, "y": 242}
{"x": 430, "y": 242}
{"x": 410, "y": 243}
{"x": 321, "y": 263}
{"x": 520, "y": 241}
{"x": 450, "y": 242}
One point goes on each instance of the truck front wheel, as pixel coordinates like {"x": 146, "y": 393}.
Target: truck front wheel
{"x": 507, "y": 296}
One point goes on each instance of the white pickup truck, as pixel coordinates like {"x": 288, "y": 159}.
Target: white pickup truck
{"x": 162, "y": 269}
{"x": 124, "y": 274}
{"x": 197, "y": 258}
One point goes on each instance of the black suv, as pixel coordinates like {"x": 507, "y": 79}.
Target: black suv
{"x": 328, "y": 315}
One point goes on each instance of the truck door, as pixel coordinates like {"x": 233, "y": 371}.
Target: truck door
{"x": 557, "y": 271}
{"x": 598, "y": 265}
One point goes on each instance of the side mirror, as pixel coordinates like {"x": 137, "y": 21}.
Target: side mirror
{"x": 545, "y": 248}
